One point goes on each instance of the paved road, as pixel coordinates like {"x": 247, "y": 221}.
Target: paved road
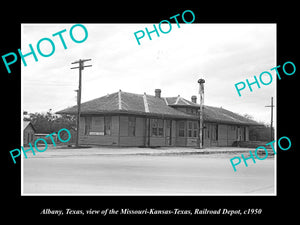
{"x": 85, "y": 171}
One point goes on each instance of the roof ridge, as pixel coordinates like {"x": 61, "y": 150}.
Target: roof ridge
{"x": 120, "y": 99}
{"x": 145, "y": 102}
{"x": 184, "y": 100}
{"x": 166, "y": 101}
{"x": 125, "y": 92}
{"x": 177, "y": 100}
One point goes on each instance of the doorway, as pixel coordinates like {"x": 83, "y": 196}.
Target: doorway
{"x": 168, "y": 132}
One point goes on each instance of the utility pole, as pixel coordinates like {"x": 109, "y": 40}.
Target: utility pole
{"x": 201, "y": 93}
{"x": 272, "y": 106}
{"x": 80, "y": 67}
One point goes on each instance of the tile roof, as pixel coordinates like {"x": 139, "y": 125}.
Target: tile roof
{"x": 221, "y": 115}
{"x": 143, "y": 104}
{"x": 179, "y": 101}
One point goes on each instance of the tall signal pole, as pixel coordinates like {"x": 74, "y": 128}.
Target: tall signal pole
{"x": 201, "y": 93}
{"x": 80, "y": 67}
{"x": 272, "y": 106}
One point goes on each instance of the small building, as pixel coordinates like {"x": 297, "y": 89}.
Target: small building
{"x": 28, "y": 133}
{"x": 64, "y": 136}
{"x": 128, "y": 119}
{"x": 44, "y": 136}
{"x": 50, "y": 138}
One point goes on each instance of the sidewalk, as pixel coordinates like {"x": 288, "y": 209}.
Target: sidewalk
{"x": 64, "y": 151}
{"x": 103, "y": 150}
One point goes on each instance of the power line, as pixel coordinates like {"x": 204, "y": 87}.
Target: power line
{"x": 48, "y": 83}
{"x": 53, "y": 81}
{"x": 51, "y": 85}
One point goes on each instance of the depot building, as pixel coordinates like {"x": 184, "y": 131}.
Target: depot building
{"x": 128, "y": 119}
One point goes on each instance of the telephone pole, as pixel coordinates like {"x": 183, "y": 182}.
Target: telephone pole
{"x": 80, "y": 67}
{"x": 201, "y": 93}
{"x": 272, "y": 106}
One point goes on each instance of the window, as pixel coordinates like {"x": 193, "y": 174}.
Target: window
{"x": 192, "y": 128}
{"x": 87, "y": 125}
{"x": 208, "y": 130}
{"x": 107, "y": 125}
{"x": 190, "y": 110}
{"x": 181, "y": 129}
{"x": 99, "y": 125}
{"x": 154, "y": 127}
{"x": 161, "y": 131}
{"x": 131, "y": 126}
{"x": 168, "y": 123}
{"x": 195, "y": 128}
{"x": 195, "y": 133}
{"x": 157, "y": 127}
{"x": 214, "y": 132}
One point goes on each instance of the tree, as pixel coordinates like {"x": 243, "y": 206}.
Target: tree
{"x": 40, "y": 122}
{"x": 260, "y": 133}
{"x": 49, "y": 122}
{"x": 64, "y": 121}
{"x": 248, "y": 116}
{"x": 26, "y": 116}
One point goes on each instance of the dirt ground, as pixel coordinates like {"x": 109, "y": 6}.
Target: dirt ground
{"x": 140, "y": 171}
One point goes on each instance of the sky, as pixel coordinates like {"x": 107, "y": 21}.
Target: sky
{"x": 222, "y": 54}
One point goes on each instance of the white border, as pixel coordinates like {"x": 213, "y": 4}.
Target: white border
{"x": 94, "y": 194}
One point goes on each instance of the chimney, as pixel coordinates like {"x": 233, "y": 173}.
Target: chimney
{"x": 194, "y": 99}
{"x": 157, "y": 93}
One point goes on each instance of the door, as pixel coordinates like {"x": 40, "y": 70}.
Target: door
{"x": 241, "y": 134}
{"x": 168, "y": 132}
{"x": 214, "y": 134}
{"x": 206, "y": 135}
{"x": 181, "y": 133}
